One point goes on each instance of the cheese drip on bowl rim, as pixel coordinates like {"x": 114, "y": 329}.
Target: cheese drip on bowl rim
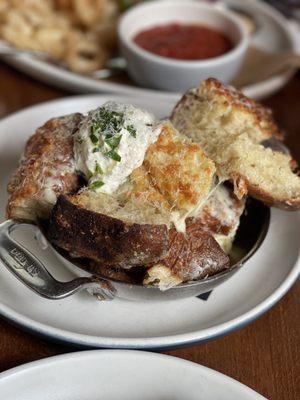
{"x": 111, "y": 142}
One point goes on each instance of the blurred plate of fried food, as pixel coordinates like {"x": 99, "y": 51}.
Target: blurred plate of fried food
{"x": 80, "y": 38}
{"x": 79, "y": 33}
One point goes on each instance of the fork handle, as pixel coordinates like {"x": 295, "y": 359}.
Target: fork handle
{"x": 32, "y": 272}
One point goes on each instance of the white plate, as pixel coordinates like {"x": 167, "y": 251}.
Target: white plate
{"x": 82, "y": 320}
{"x": 275, "y": 34}
{"x": 115, "y": 375}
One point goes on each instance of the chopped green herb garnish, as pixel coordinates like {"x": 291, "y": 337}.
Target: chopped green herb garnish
{"x": 94, "y": 127}
{"x": 89, "y": 174}
{"x": 98, "y": 169}
{"x": 131, "y": 129}
{"x": 113, "y": 155}
{"x": 149, "y": 124}
{"x": 113, "y": 142}
{"x": 96, "y": 185}
{"x": 107, "y": 122}
{"x": 94, "y": 138}
{"x": 96, "y": 149}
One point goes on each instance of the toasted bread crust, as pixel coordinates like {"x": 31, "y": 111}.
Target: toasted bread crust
{"x": 238, "y": 100}
{"x": 195, "y": 255}
{"x": 134, "y": 275}
{"x": 191, "y": 256}
{"x": 237, "y": 147}
{"x": 45, "y": 170}
{"x": 84, "y": 233}
{"x": 267, "y": 198}
{"x": 219, "y": 215}
{"x": 261, "y": 115}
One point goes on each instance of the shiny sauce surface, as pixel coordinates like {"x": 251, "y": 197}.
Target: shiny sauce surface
{"x": 184, "y": 42}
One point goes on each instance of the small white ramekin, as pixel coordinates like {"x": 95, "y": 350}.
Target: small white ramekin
{"x": 153, "y": 71}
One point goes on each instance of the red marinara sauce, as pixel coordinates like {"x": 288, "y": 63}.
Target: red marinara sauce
{"x": 184, "y": 42}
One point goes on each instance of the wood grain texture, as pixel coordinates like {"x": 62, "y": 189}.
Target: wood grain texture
{"x": 264, "y": 355}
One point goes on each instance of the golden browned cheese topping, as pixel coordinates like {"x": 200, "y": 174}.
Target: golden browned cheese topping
{"x": 236, "y": 99}
{"x": 143, "y": 189}
{"x": 179, "y": 170}
{"x": 46, "y": 170}
{"x": 174, "y": 179}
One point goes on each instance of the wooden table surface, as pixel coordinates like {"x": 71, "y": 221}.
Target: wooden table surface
{"x": 264, "y": 355}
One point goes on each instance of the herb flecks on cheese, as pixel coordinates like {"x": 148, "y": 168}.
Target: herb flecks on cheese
{"x": 111, "y": 142}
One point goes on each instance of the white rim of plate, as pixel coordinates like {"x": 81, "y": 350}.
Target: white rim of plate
{"x": 279, "y": 80}
{"x": 159, "y": 342}
{"x": 98, "y": 354}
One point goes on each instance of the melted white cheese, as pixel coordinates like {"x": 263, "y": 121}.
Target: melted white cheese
{"x": 179, "y": 221}
{"x": 51, "y": 181}
{"x": 131, "y": 148}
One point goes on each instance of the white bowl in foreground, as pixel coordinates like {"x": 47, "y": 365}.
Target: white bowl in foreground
{"x": 115, "y": 375}
{"x": 154, "y": 71}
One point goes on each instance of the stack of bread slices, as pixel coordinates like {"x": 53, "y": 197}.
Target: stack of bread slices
{"x": 175, "y": 217}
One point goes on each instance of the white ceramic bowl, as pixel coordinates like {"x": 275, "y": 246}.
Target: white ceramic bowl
{"x": 150, "y": 70}
{"x": 115, "y": 375}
